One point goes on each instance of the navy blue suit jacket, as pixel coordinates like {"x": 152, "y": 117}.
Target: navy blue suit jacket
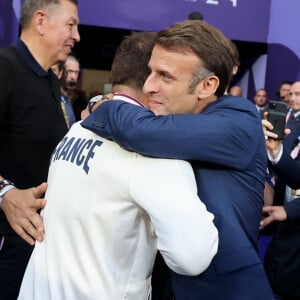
{"x": 282, "y": 261}
{"x": 289, "y": 170}
{"x": 226, "y": 147}
{"x": 286, "y": 169}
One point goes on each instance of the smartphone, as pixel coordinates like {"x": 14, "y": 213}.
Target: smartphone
{"x": 277, "y": 116}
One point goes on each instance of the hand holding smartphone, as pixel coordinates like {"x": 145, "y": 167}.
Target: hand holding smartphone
{"x": 276, "y": 115}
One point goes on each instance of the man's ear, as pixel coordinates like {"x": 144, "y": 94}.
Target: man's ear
{"x": 208, "y": 87}
{"x": 39, "y": 20}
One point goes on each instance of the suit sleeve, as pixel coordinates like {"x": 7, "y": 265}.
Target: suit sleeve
{"x": 292, "y": 209}
{"x": 288, "y": 169}
{"x": 186, "y": 235}
{"x": 219, "y": 137}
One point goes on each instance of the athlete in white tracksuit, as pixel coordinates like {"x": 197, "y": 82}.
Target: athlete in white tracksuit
{"x": 108, "y": 211}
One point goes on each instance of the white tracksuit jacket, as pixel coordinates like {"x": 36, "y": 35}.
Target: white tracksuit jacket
{"x": 108, "y": 211}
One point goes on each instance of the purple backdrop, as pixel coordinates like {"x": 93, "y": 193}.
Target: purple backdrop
{"x": 284, "y": 46}
{"x": 275, "y": 23}
{"x": 9, "y": 15}
{"x": 245, "y": 20}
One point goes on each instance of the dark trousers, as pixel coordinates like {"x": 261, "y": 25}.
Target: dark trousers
{"x": 161, "y": 280}
{"x": 14, "y": 256}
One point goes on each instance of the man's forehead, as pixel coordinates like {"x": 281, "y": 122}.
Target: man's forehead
{"x": 295, "y": 87}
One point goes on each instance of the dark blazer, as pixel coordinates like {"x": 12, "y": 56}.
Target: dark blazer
{"x": 226, "y": 147}
{"x": 282, "y": 261}
{"x": 288, "y": 169}
{"x": 285, "y": 176}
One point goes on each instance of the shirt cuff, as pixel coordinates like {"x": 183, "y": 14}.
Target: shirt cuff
{"x": 275, "y": 160}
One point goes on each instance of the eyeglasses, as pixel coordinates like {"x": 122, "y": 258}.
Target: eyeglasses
{"x": 93, "y": 101}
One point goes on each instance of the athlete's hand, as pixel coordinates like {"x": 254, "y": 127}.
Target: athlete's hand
{"x": 94, "y": 103}
{"x": 21, "y": 210}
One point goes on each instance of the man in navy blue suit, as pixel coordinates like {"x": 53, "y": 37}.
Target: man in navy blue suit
{"x": 191, "y": 67}
{"x": 282, "y": 260}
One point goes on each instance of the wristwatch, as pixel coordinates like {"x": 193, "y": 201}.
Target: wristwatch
{"x": 5, "y": 186}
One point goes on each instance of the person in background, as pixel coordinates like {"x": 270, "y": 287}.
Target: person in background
{"x": 283, "y": 91}
{"x": 68, "y": 74}
{"x": 109, "y": 210}
{"x": 70, "y": 87}
{"x": 69, "y": 79}
{"x": 191, "y": 67}
{"x": 260, "y": 101}
{"x": 282, "y": 260}
{"x": 235, "y": 91}
{"x": 289, "y": 145}
{"x": 284, "y": 94}
{"x": 31, "y": 124}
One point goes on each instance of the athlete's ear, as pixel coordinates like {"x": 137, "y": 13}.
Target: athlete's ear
{"x": 208, "y": 86}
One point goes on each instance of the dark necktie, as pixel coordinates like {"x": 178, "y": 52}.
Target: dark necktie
{"x": 289, "y": 116}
